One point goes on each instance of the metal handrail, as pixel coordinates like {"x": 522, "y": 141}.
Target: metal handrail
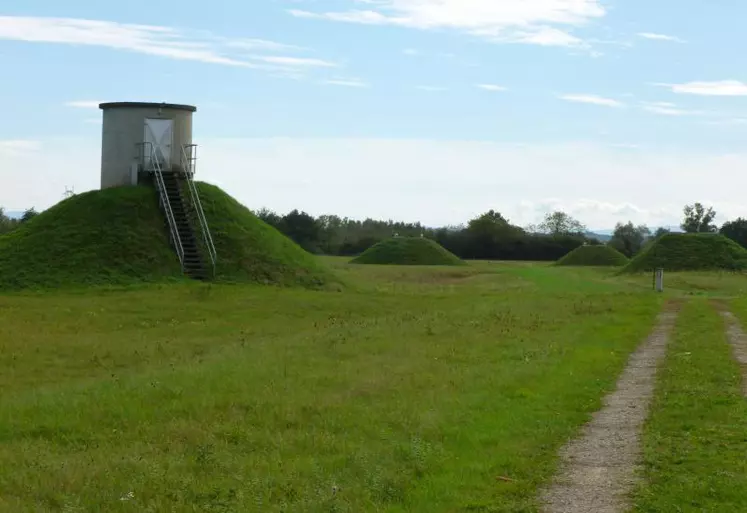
{"x": 188, "y": 163}
{"x": 161, "y": 186}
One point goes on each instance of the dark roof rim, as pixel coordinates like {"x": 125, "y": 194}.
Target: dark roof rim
{"x": 147, "y": 105}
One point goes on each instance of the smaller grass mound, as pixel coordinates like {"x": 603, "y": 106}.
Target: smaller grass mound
{"x": 407, "y": 251}
{"x": 601, "y": 256}
{"x": 690, "y": 252}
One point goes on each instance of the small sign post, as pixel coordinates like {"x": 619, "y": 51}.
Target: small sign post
{"x": 659, "y": 280}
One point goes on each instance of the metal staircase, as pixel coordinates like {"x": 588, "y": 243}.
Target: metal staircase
{"x": 178, "y": 211}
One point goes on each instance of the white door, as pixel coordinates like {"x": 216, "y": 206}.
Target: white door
{"x": 158, "y": 138}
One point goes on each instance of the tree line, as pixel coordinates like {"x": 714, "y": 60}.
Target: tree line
{"x": 489, "y": 236}
{"x": 8, "y": 224}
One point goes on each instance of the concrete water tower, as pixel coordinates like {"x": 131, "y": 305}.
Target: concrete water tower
{"x": 138, "y": 138}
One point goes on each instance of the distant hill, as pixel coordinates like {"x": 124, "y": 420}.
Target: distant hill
{"x": 606, "y": 234}
{"x": 601, "y": 237}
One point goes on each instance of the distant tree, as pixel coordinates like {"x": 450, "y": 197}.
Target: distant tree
{"x": 489, "y": 235}
{"x": 660, "y": 232}
{"x": 303, "y": 229}
{"x": 628, "y": 239}
{"x": 6, "y": 223}
{"x": 560, "y": 223}
{"x": 330, "y": 234}
{"x": 736, "y": 230}
{"x": 698, "y": 220}
{"x": 269, "y": 217}
{"x": 29, "y": 214}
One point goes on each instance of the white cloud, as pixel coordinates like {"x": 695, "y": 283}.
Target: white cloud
{"x": 542, "y": 22}
{"x": 491, "y": 87}
{"x": 18, "y": 146}
{"x": 718, "y": 88}
{"x": 295, "y": 61}
{"x": 668, "y": 109}
{"x": 161, "y": 41}
{"x": 729, "y": 122}
{"x": 262, "y": 45}
{"x": 84, "y": 104}
{"x": 596, "y": 183}
{"x": 347, "y": 82}
{"x": 591, "y": 99}
{"x": 543, "y": 36}
{"x": 660, "y": 37}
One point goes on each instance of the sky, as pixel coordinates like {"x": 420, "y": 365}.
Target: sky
{"x": 415, "y": 110}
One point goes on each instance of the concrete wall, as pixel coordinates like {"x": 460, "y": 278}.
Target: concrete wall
{"x": 123, "y": 129}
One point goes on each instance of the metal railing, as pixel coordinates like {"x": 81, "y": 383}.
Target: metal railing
{"x": 155, "y": 165}
{"x": 189, "y": 165}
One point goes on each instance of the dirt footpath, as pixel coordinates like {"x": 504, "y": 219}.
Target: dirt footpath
{"x": 599, "y": 468}
{"x": 737, "y": 339}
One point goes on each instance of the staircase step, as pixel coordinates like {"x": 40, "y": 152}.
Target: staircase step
{"x": 181, "y": 208}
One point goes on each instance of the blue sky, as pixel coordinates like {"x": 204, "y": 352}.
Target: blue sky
{"x": 611, "y": 110}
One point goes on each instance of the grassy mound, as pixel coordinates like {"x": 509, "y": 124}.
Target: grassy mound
{"x": 119, "y": 236}
{"x": 601, "y": 255}
{"x": 407, "y": 251}
{"x": 690, "y": 252}
{"x": 250, "y": 250}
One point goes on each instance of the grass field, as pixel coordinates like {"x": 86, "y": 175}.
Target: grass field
{"x": 696, "y": 439}
{"x": 415, "y": 389}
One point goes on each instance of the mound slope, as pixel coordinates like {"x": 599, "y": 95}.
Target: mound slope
{"x": 690, "y": 252}
{"x": 119, "y": 236}
{"x": 601, "y": 255}
{"x": 407, "y": 251}
{"x": 251, "y": 250}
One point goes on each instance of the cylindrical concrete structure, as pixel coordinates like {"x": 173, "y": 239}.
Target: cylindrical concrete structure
{"x": 135, "y": 134}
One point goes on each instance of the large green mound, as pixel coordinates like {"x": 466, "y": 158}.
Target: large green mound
{"x": 251, "y": 250}
{"x": 407, "y": 251}
{"x": 690, "y": 252}
{"x": 119, "y": 236}
{"x": 601, "y": 255}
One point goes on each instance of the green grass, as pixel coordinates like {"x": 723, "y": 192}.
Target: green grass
{"x": 597, "y": 256}
{"x": 413, "y": 390}
{"x": 119, "y": 237}
{"x": 114, "y": 236}
{"x": 250, "y": 250}
{"x": 696, "y": 439}
{"x": 690, "y": 252}
{"x": 407, "y": 251}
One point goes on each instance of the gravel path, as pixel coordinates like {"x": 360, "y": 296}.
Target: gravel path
{"x": 738, "y": 341}
{"x": 598, "y": 469}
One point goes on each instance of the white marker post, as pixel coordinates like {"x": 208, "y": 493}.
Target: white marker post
{"x": 659, "y": 280}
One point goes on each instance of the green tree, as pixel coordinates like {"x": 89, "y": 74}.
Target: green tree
{"x": 29, "y": 214}
{"x": 698, "y": 219}
{"x": 269, "y": 217}
{"x": 6, "y": 223}
{"x": 660, "y": 232}
{"x": 736, "y": 230}
{"x": 489, "y": 234}
{"x": 330, "y": 233}
{"x": 559, "y": 223}
{"x": 628, "y": 239}
{"x": 303, "y": 229}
